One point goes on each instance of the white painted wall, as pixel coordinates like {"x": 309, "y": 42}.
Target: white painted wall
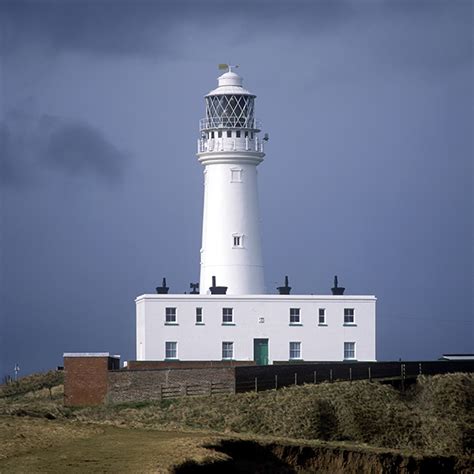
{"x": 231, "y": 209}
{"x": 204, "y": 342}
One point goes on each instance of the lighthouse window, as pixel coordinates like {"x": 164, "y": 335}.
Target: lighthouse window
{"x": 237, "y": 133}
{"x": 246, "y": 134}
{"x": 322, "y": 316}
{"x": 295, "y": 350}
{"x": 171, "y": 350}
{"x": 251, "y": 135}
{"x": 295, "y": 316}
{"x": 198, "y": 315}
{"x": 348, "y": 315}
{"x": 349, "y": 350}
{"x": 227, "y": 350}
{"x": 227, "y": 315}
{"x": 229, "y": 134}
{"x": 170, "y": 315}
{"x": 236, "y": 175}
{"x": 219, "y": 134}
{"x": 238, "y": 240}
{"x": 212, "y": 134}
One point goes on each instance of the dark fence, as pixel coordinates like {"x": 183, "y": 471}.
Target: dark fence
{"x": 268, "y": 377}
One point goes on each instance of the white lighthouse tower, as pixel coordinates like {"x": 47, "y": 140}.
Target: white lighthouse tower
{"x": 234, "y": 319}
{"x": 230, "y": 151}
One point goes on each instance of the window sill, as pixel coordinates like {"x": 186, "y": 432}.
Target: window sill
{"x": 322, "y": 324}
{"x": 296, "y": 324}
{"x": 350, "y": 359}
{"x": 228, "y": 324}
{"x": 200, "y": 324}
{"x": 173, "y": 359}
{"x": 171, "y": 324}
{"x": 298, "y": 360}
{"x": 349, "y": 324}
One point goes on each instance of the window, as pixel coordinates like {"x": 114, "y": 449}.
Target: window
{"x": 349, "y": 350}
{"x": 322, "y": 316}
{"x": 237, "y": 134}
{"x": 227, "y": 350}
{"x": 251, "y": 135}
{"x": 212, "y": 134}
{"x": 246, "y": 134}
{"x": 229, "y": 134}
{"x": 227, "y": 315}
{"x": 348, "y": 315}
{"x": 236, "y": 175}
{"x": 171, "y": 350}
{"x": 295, "y": 350}
{"x": 198, "y": 315}
{"x": 294, "y": 316}
{"x": 236, "y": 241}
{"x": 170, "y": 315}
{"x": 219, "y": 134}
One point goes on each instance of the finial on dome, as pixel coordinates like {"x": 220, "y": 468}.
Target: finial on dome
{"x": 228, "y": 67}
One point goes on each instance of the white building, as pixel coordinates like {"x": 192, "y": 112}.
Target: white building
{"x": 233, "y": 317}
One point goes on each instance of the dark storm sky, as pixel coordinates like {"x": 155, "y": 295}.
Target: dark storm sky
{"x": 368, "y": 174}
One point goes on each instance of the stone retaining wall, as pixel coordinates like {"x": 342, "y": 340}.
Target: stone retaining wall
{"x": 143, "y": 385}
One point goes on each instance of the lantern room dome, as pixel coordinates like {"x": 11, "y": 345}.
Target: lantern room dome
{"x": 229, "y": 83}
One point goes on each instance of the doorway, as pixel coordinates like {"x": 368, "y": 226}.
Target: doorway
{"x": 260, "y": 351}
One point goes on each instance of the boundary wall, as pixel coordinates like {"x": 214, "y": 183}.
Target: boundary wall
{"x": 95, "y": 378}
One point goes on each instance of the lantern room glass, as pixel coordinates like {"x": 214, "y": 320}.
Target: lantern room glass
{"x": 230, "y": 111}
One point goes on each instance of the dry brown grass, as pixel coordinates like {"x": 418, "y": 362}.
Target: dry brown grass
{"x": 436, "y": 417}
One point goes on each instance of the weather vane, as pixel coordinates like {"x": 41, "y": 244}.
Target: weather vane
{"x": 228, "y": 67}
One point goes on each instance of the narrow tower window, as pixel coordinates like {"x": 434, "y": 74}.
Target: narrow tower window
{"x": 238, "y": 240}
{"x": 236, "y": 175}
{"x": 229, "y": 134}
{"x": 237, "y": 134}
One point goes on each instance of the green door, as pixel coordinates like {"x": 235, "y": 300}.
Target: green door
{"x": 260, "y": 351}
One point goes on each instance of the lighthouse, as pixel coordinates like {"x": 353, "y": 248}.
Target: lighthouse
{"x": 232, "y": 319}
{"x": 230, "y": 149}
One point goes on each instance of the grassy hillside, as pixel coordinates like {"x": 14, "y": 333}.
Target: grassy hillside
{"x": 436, "y": 416}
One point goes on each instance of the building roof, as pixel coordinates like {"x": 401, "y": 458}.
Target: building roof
{"x": 90, "y": 354}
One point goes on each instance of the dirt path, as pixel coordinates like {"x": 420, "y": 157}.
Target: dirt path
{"x": 34, "y": 445}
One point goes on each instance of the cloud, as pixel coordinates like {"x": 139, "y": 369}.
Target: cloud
{"x": 30, "y": 146}
{"x": 145, "y": 27}
{"x": 424, "y": 35}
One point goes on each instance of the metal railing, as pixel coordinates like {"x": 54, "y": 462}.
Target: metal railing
{"x": 230, "y": 144}
{"x": 229, "y": 122}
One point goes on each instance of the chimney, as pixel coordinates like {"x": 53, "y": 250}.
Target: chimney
{"x": 163, "y": 289}
{"x": 284, "y": 290}
{"x": 337, "y": 290}
{"x": 217, "y": 290}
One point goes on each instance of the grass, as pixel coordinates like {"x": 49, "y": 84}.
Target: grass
{"x": 435, "y": 417}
